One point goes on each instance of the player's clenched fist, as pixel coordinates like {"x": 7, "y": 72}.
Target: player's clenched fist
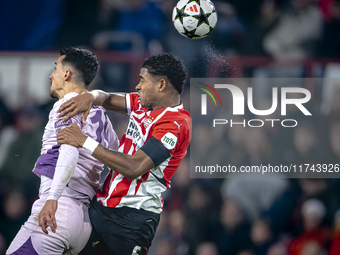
{"x": 71, "y": 135}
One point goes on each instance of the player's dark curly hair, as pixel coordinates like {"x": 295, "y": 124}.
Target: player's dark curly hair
{"x": 84, "y": 61}
{"x": 166, "y": 64}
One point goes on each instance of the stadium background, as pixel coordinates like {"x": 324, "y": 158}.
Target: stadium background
{"x": 253, "y": 38}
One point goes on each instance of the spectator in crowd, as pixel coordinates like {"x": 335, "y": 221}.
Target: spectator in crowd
{"x": 261, "y": 236}
{"x": 248, "y": 11}
{"x": 335, "y": 248}
{"x": 334, "y": 139}
{"x": 314, "y": 237}
{"x": 6, "y": 132}
{"x": 5, "y": 115}
{"x": 325, "y": 7}
{"x": 207, "y": 249}
{"x": 321, "y": 189}
{"x": 329, "y": 45}
{"x": 233, "y": 234}
{"x": 268, "y": 19}
{"x": 229, "y": 32}
{"x": 164, "y": 247}
{"x": 254, "y": 195}
{"x": 129, "y": 33}
{"x": 16, "y": 210}
{"x": 20, "y": 160}
{"x": 296, "y": 33}
{"x": 79, "y": 27}
{"x": 306, "y": 144}
{"x": 201, "y": 212}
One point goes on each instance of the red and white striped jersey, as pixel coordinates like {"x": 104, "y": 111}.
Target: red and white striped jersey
{"x": 172, "y": 127}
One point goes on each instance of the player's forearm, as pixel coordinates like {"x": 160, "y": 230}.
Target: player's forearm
{"x": 124, "y": 164}
{"x": 110, "y": 101}
{"x": 99, "y": 97}
{"x": 64, "y": 170}
{"x": 61, "y": 177}
{"x": 116, "y": 103}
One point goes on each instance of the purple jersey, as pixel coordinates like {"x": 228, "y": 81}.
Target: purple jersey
{"x": 85, "y": 179}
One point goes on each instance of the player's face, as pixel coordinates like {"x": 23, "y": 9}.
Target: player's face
{"x": 57, "y": 78}
{"x": 147, "y": 89}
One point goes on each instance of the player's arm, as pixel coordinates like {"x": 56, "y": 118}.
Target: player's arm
{"x": 67, "y": 160}
{"x": 130, "y": 166}
{"x": 83, "y": 102}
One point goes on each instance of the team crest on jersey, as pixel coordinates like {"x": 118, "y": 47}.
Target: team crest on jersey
{"x": 169, "y": 140}
{"x": 147, "y": 122}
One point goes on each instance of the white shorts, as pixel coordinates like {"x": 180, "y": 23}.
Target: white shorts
{"x": 72, "y": 233}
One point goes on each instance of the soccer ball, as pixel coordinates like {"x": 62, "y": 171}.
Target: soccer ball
{"x": 194, "y": 19}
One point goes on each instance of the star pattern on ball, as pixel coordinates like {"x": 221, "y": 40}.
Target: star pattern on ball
{"x": 180, "y": 14}
{"x": 191, "y": 34}
{"x": 203, "y": 18}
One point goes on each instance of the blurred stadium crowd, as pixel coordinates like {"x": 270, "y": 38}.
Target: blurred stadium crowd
{"x": 201, "y": 216}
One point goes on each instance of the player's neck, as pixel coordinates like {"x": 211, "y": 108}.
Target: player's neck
{"x": 168, "y": 102}
{"x": 72, "y": 87}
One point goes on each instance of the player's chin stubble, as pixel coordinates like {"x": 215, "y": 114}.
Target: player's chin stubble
{"x": 53, "y": 94}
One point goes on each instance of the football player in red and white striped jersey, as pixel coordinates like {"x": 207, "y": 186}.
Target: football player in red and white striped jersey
{"x": 125, "y": 212}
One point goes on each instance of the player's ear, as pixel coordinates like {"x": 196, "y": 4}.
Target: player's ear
{"x": 162, "y": 85}
{"x": 67, "y": 75}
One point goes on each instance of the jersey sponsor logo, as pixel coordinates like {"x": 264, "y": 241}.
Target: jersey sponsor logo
{"x": 169, "y": 140}
{"x": 58, "y": 124}
{"x": 132, "y": 131}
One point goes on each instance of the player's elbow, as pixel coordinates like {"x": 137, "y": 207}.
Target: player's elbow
{"x": 136, "y": 166}
{"x": 131, "y": 176}
{"x": 134, "y": 172}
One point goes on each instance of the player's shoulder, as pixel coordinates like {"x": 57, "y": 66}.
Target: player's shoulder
{"x": 133, "y": 94}
{"x": 178, "y": 114}
{"x": 133, "y": 97}
{"x": 133, "y": 103}
{"x": 57, "y": 104}
{"x": 67, "y": 97}
{"x": 177, "y": 119}
{"x": 184, "y": 114}
{"x": 96, "y": 108}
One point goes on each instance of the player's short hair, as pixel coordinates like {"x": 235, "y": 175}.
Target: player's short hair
{"x": 166, "y": 64}
{"x": 84, "y": 61}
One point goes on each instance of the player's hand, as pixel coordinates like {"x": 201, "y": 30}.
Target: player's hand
{"x": 71, "y": 135}
{"x": 47, "y": 216}
{"x": 79, "y": 104}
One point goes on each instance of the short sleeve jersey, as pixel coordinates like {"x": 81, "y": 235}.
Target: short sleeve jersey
{"x": 172, "y": 127}
{"x": 85, "y": 179}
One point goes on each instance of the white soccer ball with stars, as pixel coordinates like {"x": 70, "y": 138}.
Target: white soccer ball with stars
{"x": 194, "y": 19}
